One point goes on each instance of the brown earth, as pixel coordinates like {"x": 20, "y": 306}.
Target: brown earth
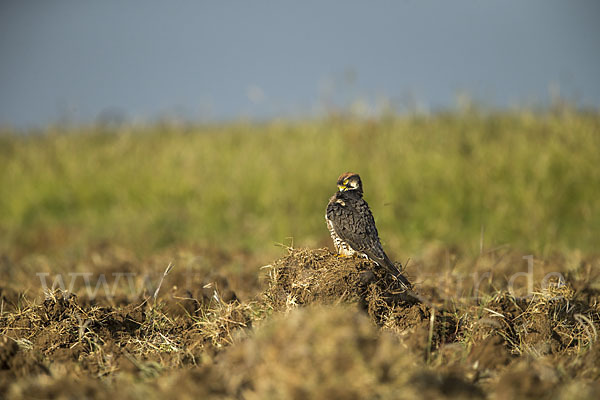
{"x": 315, "y": 326}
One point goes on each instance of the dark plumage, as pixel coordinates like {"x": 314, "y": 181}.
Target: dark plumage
{"x": 352, "y": 225}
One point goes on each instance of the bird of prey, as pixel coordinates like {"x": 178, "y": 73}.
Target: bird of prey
{"x": 352, "y": 225}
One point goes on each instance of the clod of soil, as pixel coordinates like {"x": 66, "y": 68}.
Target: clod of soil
{"x": 8, "y": 349}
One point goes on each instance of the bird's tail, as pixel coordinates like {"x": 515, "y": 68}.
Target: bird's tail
{"x": 396, "y": 273}
{"x": 393, "y": 269}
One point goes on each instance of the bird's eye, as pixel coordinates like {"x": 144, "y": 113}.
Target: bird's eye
{"x": 345, "y": 182}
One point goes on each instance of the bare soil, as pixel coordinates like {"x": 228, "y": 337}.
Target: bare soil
{"x": 309, "y": 325}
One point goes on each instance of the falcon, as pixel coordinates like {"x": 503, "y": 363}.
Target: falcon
{"x": 352, "y": 225}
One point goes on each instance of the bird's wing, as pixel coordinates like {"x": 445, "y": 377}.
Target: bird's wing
{"x": 353, "y": 222}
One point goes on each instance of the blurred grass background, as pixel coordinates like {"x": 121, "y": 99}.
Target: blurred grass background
{"x": 527, "y": 179}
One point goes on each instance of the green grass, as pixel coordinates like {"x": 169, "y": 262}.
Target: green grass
{"x": 530, "y": 180}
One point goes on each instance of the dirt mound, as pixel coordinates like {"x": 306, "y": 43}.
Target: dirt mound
{"x": 307, "y": 276}
{"x": 331, "y": 352}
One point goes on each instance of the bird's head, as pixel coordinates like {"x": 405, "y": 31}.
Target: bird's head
{"x": 349, "y": 181}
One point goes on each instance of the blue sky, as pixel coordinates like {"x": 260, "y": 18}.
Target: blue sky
{"x": 222, "y": 60}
